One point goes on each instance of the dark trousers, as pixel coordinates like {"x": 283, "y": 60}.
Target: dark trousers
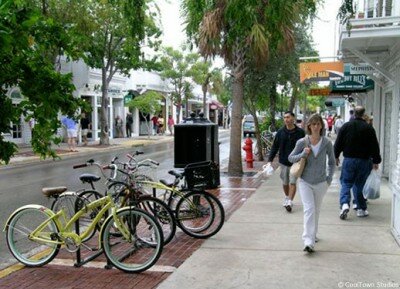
{"x": 354, "y": 174}
{"x": 128, "y": 130}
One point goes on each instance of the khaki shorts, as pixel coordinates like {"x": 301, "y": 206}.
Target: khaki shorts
{"x": 286, "y": 177}
{"x": 85, "y": 132}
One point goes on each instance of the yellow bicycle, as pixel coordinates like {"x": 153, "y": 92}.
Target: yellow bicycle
{"x": 131, "y": 239}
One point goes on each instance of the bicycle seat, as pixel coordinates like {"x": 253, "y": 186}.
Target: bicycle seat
{"x": 176, "y": 173}
{"x": 168, "y": 184}
{"x": 89, "y": 178}
{"x": 49, "y": 192}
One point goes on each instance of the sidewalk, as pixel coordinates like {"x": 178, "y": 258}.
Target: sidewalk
{"x": 261, "y": 247}
{"x": 25, "y": 153}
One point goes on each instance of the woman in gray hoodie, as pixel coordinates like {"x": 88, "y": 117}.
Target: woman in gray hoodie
{"x": 314, "y": 182}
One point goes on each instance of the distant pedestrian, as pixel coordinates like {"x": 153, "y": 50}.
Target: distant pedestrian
{"x": 314, "y": 181}
{"x": 128, "y": 124}
{"x": 330, "y": 123}
{"x": 118, "y": 126}
{"x": 351, "y": 114}
{"x": 154, "y": 120}
{"x": 338, "y": 124}
{"x": 72, "y": 132}
{"x": 171, "y": 124}
{"x": 284, "y": 142}
{"x": 85, "y": 126}
{"x": 160, "y": 124}
{"x": 359, "y": 144}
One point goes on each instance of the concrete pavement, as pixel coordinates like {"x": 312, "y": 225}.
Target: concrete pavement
{"x": 260, "y": 247}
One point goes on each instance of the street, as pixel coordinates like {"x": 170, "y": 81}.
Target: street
{"x": 21, "y": 184}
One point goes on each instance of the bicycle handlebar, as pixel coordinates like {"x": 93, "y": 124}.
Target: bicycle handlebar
{"x": 102, "y": 168}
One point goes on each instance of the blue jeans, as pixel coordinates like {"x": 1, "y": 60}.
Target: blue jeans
{"x": 354, "y": 174}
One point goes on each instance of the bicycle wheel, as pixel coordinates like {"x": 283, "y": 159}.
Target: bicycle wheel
{"x": 162, "y": 213}
{"x": 200, "y": 214}
{"x": 136, "y": 253}
{"x": 29, "y": 252}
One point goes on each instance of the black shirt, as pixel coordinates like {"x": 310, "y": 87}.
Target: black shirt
{"x": 85, "y": 123}
{"x": 284, "y": 142}
{"x": 357, "y": 139}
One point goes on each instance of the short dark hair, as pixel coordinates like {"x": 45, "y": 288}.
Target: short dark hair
{"x": 359, "y": 111}
{"x": 289, "y": 112}
{"x": 351, "y": 111}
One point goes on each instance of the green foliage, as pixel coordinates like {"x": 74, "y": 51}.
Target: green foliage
{"x": 31, "y": 40}
{"x": 147, "y": 103}
{"x": 176, "y": 66}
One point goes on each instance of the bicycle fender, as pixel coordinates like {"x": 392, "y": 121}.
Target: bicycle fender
{"x": 47, "y": 211}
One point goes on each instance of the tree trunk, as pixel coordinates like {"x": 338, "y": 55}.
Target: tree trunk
{"x": 293, "y": 99}
{"x": 272, "y": 105}
{"x": 205, "y": 110}
{"x": 260, "y": 156}
{"x": 104, "y": 129}
{"x": 235, "y": 154}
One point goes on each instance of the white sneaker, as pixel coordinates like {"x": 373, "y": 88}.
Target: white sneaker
{"x": 285, "y": 202}
{"x": 344, "y": 211}
{"x": 354, "y": 206}
{"x": 362, "y": 213}
{"x": 289, "y": 205}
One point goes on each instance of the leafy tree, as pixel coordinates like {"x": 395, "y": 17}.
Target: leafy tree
{"x": 243, "y": 33}
{"x": 176, "y": 67}
{"x": 148, "y": 103}
{"x": 28, "y": 39}
{"x": 121, "y": 29}
{"x": 208, "y": 77}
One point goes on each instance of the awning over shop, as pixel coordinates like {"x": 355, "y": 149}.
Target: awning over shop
{"x": 215, "y": 104}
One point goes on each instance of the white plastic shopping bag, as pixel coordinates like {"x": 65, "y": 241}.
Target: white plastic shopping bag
{"x": 268, "y": 170}
{"x": 372, "y": 186}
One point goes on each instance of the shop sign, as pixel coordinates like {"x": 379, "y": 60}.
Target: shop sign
{"x": 320, "y": 71}
{"x": 352, "y": 83}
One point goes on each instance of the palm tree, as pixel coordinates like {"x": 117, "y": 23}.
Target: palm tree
{"x": 243, "y": 33}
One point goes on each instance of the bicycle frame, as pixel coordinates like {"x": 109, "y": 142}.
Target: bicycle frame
{"x": 66, "y": 231}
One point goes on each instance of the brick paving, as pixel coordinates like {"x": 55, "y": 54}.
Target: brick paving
{"x": 233, "y": 192}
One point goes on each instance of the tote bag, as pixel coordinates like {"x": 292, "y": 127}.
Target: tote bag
{"x": 296, "y": 170}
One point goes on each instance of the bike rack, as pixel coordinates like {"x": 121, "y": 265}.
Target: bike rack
{"x": 79, "y": 262}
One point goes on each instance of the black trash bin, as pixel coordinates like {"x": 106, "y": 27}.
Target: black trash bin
{"x": 196, "y": 140}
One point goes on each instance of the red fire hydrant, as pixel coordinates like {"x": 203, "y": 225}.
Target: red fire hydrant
{"x": 248, "y": 148}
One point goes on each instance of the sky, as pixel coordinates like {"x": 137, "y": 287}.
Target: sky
{"x": 323, "y": 32}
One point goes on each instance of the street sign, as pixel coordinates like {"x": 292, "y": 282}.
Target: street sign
{"x": 352, "y": 83}
{"x": 338, "y": 102}
{"x": 363, "y": 68}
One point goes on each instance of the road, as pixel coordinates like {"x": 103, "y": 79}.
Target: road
{"x": 21, "y": 184}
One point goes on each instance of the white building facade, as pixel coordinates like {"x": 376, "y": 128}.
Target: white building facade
{"x": 374, "y": 39}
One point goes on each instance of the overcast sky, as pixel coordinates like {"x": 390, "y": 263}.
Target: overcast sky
{"x": 324, "y": 28}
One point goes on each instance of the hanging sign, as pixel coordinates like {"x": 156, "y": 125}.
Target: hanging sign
{"x": 320, "y": 71}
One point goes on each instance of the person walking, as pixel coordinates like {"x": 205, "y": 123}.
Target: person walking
{"x": 359, "y": 144}
{"x": 85, "y": 126}
{"x": 72, "y": 132}
{"x": 315, "y": 179}
{"x": 128, "y": 124}
{"x": 330, "y": 123}
{"x": 154, "y": 120}
{"x": 170, "y": 124}
{"x": 338, "y": 124}
{"x": 118, "y": 125}
{"x": 284, "y": 142}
